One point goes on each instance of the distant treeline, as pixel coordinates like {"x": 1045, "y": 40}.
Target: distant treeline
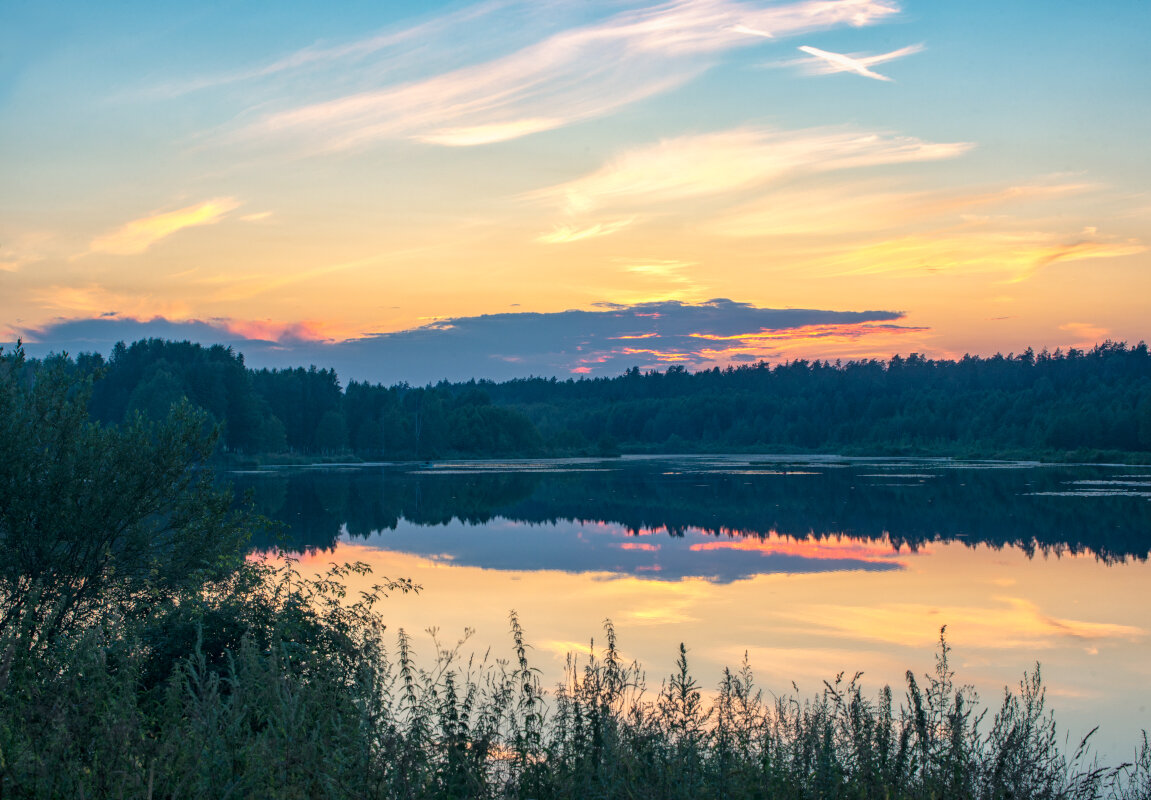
{"x": 1095, "y": 400}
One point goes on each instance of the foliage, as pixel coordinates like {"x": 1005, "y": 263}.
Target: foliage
{"x": 95, "y": 519}
{"x": 332, "y": 713}
{"x": 1079, "y": 404}
{"x": 151, "y": 375}
{"x": 1073, "y": 402}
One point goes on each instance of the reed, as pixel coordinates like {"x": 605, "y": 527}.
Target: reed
{"x": 272, "y": 684}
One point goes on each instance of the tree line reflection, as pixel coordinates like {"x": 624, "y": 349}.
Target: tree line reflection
{"x": 1037, "y": 509}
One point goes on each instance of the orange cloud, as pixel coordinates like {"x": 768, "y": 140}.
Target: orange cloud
{"x": 266, "y": 330}
{"x": 854, "y": 340}
{"x": 809, "y": 332}
{"x": 831, "y": 548}
{"x": 645, "y": 546}
{"x": 827, "y": 340}
{"x": 138, "y": 235}
{"x": 1086, "y": 335}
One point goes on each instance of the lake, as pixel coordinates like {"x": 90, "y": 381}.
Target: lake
{"x": 811, "y": 566}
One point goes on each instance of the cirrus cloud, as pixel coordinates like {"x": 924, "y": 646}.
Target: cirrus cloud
{"x": 571, "y": 75}
{"x": 137, "y": 236}
{"x": 723, "y": 162}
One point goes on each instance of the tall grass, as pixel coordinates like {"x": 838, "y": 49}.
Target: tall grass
{"x": 275, "y": 685}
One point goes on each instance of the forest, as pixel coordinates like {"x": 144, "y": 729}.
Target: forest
{"x": 1081, "y": 404}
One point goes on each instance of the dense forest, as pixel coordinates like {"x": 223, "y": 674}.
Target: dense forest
{"x": 1084, "y": 403}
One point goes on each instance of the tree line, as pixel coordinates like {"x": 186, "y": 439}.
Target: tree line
{"x": 1062, "y": 402}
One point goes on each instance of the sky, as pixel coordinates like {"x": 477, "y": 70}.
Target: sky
{"x": 414, "y": 191}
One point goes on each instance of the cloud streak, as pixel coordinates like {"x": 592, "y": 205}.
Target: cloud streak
{"x": 569, "y": 76}
{"x": 980, "y": 248}
{"x": 694, "y": 166}
{"x": 825, "y": 62}
{"x": 863, "y": 206}
{"x": 563, "y": 234}
{"x": 137, "y": 236}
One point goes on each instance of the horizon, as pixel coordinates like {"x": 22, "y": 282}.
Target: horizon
{"x": 507, "y": 187}
{"x": 261, "y": 355}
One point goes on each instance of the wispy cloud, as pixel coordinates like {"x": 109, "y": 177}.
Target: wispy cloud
{"x": 379, "y": 53}
{"x": 138, "y": 235}
{"x": 563, "y": 234}
{"x": 830, "y": 209}
{"x": 1085, "y": 334}
{"x": 982, "y": 247}
{"x": 750, "y": 31}
{"x": 21, "y": 249}
{"x": 662, "y": 268}
{"x": 491, "y": 133}
{"x": 731, "y": 161}
{"x": 1089, "y": 244}
{"x": 826, "y": 62}
{"x": 572, "y": 75}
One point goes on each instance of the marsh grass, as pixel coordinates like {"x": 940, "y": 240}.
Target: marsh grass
{"x": 276, "y": 685}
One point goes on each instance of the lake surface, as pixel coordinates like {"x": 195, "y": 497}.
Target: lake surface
{"x": 810, "y": 565}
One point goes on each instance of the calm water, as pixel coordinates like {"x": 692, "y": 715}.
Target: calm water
{"x": 812, "y": 566}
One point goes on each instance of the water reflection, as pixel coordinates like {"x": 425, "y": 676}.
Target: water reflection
{"x": 723, "y": 519}
{"x": 606, "y": 547}
{"x": 812, "y": 566}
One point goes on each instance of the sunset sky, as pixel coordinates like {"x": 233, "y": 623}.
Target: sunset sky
{"x": 416, "y": 190}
